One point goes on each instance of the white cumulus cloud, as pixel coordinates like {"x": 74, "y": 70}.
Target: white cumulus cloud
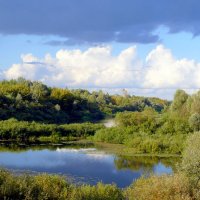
{"x": 97, "y": 67}
{"x": 165, "y": 71}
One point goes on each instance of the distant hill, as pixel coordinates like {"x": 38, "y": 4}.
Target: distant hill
{"x": 33, "y": 101}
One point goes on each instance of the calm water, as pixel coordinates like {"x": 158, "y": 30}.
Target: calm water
{"x": 82, "y": 164}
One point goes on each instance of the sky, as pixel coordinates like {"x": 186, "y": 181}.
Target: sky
{"x": 149, "y": 48}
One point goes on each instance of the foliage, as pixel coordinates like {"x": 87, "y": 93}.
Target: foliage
{"x": 33, "y": 101}
{"x": 193, "y": 103}
{"x": 98, "y": 192}
{"x": 194, "y": 121}
{"x": 164, "y": 187}
{"x": 191, "y": 158}
{"x": 21, "y": 130}
{"x": 142, "y": 142}
{"x": 180, "y": 99}
{"x": 38, "y": 91}
{"x": 182, "y": 185}
{"x": 148, "y": 132}
{"x": 51, "y": 187}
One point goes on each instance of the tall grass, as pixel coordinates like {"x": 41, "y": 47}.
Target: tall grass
{"x": 52, "y": 187}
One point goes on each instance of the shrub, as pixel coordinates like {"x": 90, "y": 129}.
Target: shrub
{"x": 164, "y": 187}
{"x": 22, "y": 130}
{"x": 110, "y": 135}
{"x": 33, "y": 187}
{"x": 51, "y": 187}
{"x": 98, "y": 192}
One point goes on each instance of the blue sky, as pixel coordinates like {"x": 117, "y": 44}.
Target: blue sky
{"x": 149, "y": 47}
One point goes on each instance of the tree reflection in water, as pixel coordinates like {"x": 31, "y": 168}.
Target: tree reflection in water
{"x": 146, "y": 163}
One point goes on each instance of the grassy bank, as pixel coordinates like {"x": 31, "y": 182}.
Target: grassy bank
{"x": 123, "y": 150}
{"x": 51, "y": 187}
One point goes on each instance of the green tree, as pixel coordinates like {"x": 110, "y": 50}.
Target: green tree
{"x": 63, "y": 97}
{"x": 193, "y": 103}
{"x": 179, "y": 106}
{"x": 38, "y": 91}
{"x": 194, "y": 121}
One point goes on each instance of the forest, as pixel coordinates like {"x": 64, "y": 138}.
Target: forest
{"x": 30, "y": 101}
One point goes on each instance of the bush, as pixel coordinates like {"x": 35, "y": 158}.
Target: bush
{"x": 22, "y": 130}
{"x": 164, "y": 187}
{"x": 98, "y": 192}
{"x": 110, "y": 135}
{"x": 142, "y": 142}
{"x": 51, "y": 187}
{"x": 79, "y": 130}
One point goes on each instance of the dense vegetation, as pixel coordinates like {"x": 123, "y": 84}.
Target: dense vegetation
{"x": 149, "y": 131}
{"x": 184, "y": 184}
{"x": 34, "y": 101}
{"x": 29, "y": 110}
{"x": 20, "y": 130}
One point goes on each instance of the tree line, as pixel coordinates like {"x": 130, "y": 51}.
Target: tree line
{"x": 34, "y": 101}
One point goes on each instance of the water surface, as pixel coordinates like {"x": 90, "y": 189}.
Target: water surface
{"x": 83, "y": 164}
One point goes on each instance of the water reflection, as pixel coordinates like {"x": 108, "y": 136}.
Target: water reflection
{"x": 83, "y": 163}
{"x": 147, "y": 163}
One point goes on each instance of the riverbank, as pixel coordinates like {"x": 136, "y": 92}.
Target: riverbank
{"x": 182, "y": 184}
{"x": 40, "y": 187}
{"x": 123, "y": 150}
{"x": 134, "y": 142}
{"x": 118, "y": 149}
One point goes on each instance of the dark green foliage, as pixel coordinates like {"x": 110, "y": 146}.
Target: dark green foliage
{"x": 34, "y": 101}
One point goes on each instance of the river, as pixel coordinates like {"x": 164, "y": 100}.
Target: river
{"x": 82, "y": 164}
